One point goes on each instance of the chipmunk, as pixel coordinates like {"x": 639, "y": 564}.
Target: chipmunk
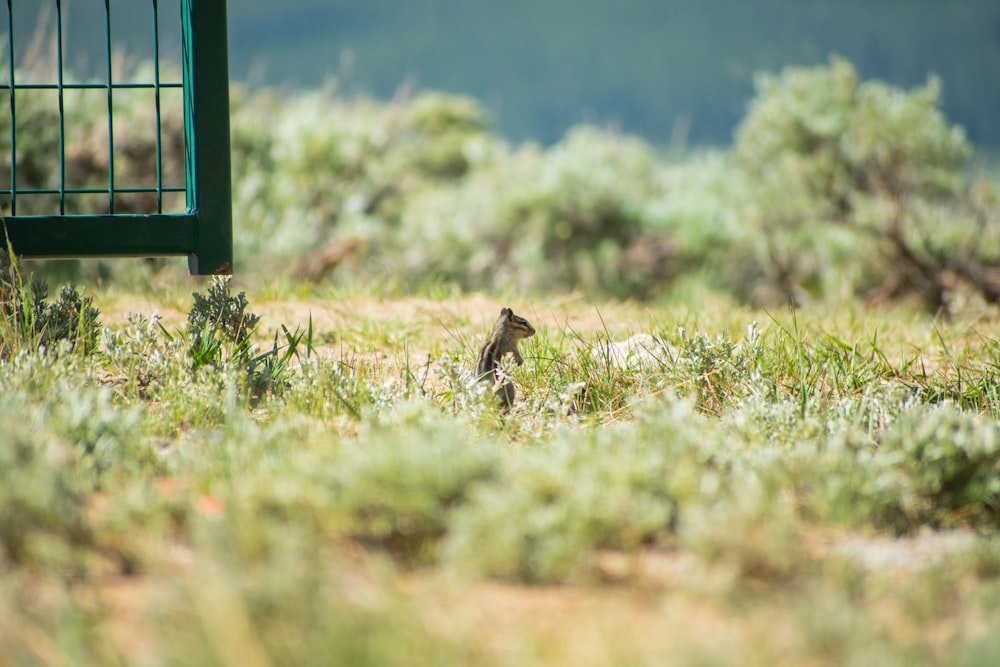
{"x": 508, "y": 330}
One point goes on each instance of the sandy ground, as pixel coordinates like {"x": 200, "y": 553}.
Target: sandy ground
{"x": 569, "y": 312}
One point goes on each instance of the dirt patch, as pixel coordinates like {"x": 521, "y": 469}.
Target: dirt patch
{"x": 390, "y": 332}
{"x": 883, "y": 553}
{"x": 476, "y": 311}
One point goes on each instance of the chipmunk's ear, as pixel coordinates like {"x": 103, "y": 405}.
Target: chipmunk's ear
{"x": 506, "y": 312}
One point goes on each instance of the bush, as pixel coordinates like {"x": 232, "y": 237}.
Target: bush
{"x": 219, "y": 319}
{"x": 42, "y": 520}
{"x": 31, "y": 322}
{"x": 940, "y": 468}
{"x": 545, "y": 517}
{"x": 558, "y": 219}
{"x": 220, "y": 334}
{"x": 881, "y": 460}
{"x": 401, "y": 482}
{"x": 860, "y": 186}
{"x": 143, "y": 357}
{"x": 312, "y": 168}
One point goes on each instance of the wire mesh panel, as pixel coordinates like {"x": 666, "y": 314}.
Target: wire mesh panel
{"x": 121, "y": 155}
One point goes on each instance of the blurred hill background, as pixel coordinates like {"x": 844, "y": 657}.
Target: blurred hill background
{"x": 673, "y": 72}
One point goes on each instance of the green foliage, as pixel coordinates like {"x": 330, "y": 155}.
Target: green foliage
{"x": 851, "y": 182}
{"x": 879, "y": 460}
{"x": 293, "y": 609}
{"x": 315, "y": 522}
{"x": 329, "y": 388}
{"x": 38, "y": 147}
{"x": 86, "y": 159}
{"x": 574, "y": 212}
{"x": 545, "y": 517}
{"x": 141, "y": 355}
{"x": 220, "y": 319}
{"x": 725, "y": 448}
{"x": 720, "y": 371}
{"x": 402, "y": 480}
{"x": 940, "y": 468}
{"x": 835, "y": 187}
{"x": 106, "y": 439}
{"x": 310, "y": 167}
{"x": 220, "y": 331}
{"x": 433, "y": 193}
{"x": 31, "y": 322}
{"x": 749, "y": 529}
{"x": 71, "y": 318}
{"x": 41, "y": 499}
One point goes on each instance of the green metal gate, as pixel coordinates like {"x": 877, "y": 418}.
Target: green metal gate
{"x": 203, "y": 230}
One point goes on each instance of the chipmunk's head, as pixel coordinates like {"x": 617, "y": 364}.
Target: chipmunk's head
{"x": 517, "y": 325}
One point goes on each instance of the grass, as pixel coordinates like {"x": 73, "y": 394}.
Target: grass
{"x": 808, "y": 487}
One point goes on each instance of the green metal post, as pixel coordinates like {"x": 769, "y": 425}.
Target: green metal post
{"x": 156, "y": 98}
{"x": 13, "y": 109}
{"x": 206, "y": 109}
{"x": 111, "y": 106}
{"x": 62, "y": 109}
